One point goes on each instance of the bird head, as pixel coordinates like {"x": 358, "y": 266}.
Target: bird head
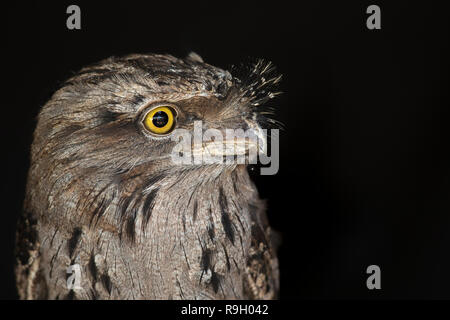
{"x": 130, "y": 112}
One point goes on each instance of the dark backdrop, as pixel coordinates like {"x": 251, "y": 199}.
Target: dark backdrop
{"x": 364, "y": 173}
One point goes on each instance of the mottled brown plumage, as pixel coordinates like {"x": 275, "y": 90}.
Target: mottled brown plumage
{"x": 104, "y": 194}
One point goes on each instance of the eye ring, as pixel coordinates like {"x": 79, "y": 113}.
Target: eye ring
{"x": 160, "y": 120}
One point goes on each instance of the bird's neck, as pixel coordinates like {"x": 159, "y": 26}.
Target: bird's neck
{"x": 200, "y": 230}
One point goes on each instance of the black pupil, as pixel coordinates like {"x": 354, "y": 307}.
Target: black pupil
{"x": 160, "y": 119}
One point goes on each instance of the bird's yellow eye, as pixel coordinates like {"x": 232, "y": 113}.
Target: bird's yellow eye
{"x": 160, "y": 120}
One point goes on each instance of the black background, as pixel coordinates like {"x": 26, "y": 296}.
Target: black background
{"x": 364, "y": 172}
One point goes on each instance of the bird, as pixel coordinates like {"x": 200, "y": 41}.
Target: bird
{"x": 103, "y": 193}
